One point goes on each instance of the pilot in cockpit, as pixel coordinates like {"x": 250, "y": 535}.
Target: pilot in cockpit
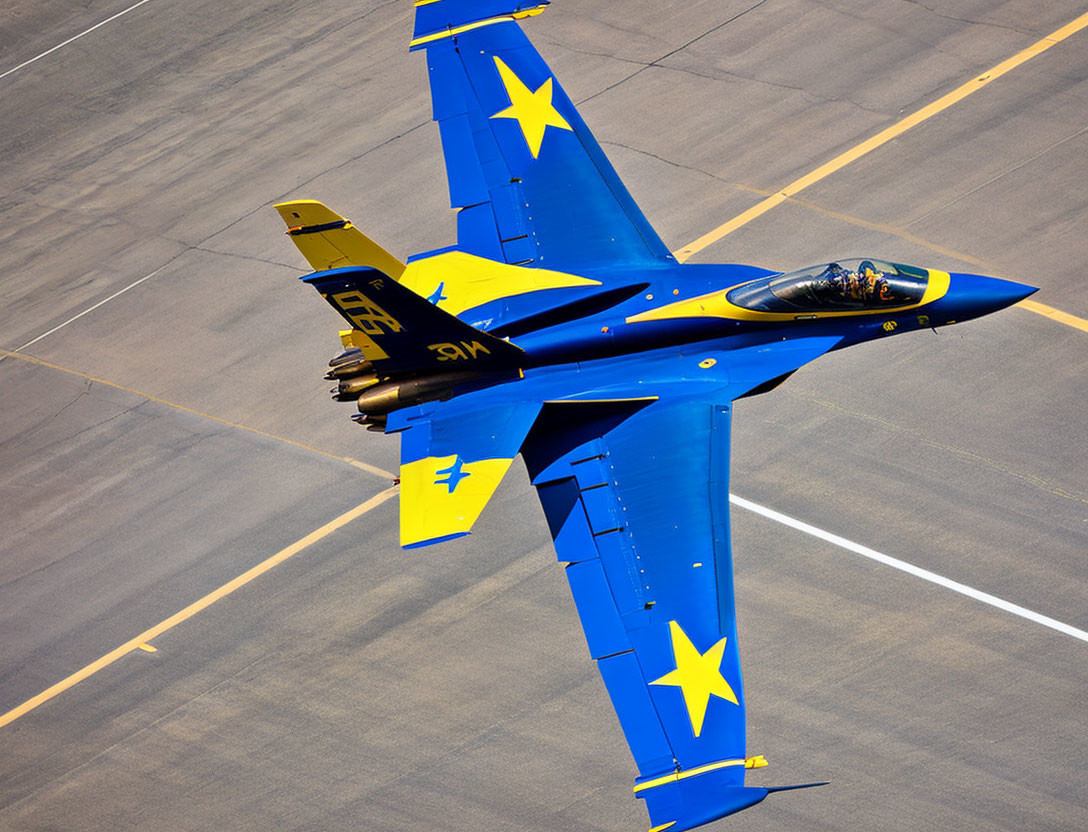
{"x": 875, "y": 282}
{"x": 836, "y": 279}
{"x": 868, "y": 284}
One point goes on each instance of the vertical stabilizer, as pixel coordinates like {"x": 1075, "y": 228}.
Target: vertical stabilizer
{"x": 328, "y": 241}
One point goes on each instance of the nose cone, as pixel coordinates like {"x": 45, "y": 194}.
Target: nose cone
{"x": 974, "y": 295}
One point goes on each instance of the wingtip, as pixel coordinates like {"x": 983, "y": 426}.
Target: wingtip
{"x": 798, "y": 786}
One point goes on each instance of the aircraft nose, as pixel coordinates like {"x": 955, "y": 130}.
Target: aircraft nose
{"x": 973, "y": 295}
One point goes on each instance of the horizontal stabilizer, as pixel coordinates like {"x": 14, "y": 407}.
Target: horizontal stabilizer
{"x": 400, "y": 332}
{"x": 328, "y": 241}
{"x": 452, "y": 462}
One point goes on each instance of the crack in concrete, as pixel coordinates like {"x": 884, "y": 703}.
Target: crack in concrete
{"x": 659, "y": 63}
{"x": 1010, "y": 169}
{"x": 316, "y": 176}
{"x": 809, "y": 94}
{"x": 936, "y": 13}
{"x": 247, "y": 257}
{"x": 673, "y": 164}
{"x": 669, "y": 54}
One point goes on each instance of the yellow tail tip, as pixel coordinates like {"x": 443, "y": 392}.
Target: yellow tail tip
{"x": 328, "y": 241}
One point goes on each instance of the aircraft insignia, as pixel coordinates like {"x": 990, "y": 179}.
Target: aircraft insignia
{"x": 698, "y": 675}
{"x": 533, "y": 110}
{"x": 437, "y": 297}
{"x": 454, "y": 475}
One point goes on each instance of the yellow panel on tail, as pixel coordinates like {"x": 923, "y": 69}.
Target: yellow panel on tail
{"x": 441, "y": 496}
{"x": 328, "y": 241}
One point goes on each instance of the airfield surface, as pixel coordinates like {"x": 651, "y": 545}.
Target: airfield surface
{"x": 179, "y": 433}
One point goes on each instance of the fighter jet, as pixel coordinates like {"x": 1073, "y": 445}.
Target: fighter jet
{"x": 560, "y": 327}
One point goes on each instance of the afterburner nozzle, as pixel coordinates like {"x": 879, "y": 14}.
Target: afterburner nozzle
{"x": 391, "y": 395}
{"x": 351, "y": 367}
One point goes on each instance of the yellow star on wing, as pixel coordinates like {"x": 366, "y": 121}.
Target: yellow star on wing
{"x": 532, "y": 110}
{"x": 698, "y": 675}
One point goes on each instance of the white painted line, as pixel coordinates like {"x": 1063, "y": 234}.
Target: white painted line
{"x": 92, "y": 308}
{"x": 75, "y": 37}
{"x": 910, "y": 568}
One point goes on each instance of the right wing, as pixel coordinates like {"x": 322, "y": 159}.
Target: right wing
{"x": 532, "y": 184}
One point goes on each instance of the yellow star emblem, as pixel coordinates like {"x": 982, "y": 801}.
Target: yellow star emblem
{"x": 532, "y": 110}
{"x": 698, "y": 675}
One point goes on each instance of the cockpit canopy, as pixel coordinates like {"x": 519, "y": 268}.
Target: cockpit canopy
{"x": 842, "y": 285}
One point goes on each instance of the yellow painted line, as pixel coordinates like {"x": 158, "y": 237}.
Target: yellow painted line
{"x": 365, "y": 466}
{"x": 681, "y": 775}
{"x": 1054, "y": 314}
{"x": 883, "y": 137}
{"x": 147, "y": 648}
{"x": 141, "y": 641}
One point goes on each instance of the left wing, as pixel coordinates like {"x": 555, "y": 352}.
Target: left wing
{"x": 532, "y": 184}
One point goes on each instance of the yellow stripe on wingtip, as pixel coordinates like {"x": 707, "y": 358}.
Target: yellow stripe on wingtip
{"x": 663, "y": 826}
{"x": 468, "y": 27}
{"x": 683, "y": 775}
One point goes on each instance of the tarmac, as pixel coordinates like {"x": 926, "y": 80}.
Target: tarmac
{"x": 179, "y": 432}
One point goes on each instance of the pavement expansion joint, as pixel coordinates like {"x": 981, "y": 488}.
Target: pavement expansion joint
{"x": 356, "y": 463}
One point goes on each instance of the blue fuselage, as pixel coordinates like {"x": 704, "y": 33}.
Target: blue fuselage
{"x": 610, "y": 332}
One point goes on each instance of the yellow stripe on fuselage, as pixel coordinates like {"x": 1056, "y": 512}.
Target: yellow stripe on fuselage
{"x": 716, "y": 305}
{"x": 466, "y": 281}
